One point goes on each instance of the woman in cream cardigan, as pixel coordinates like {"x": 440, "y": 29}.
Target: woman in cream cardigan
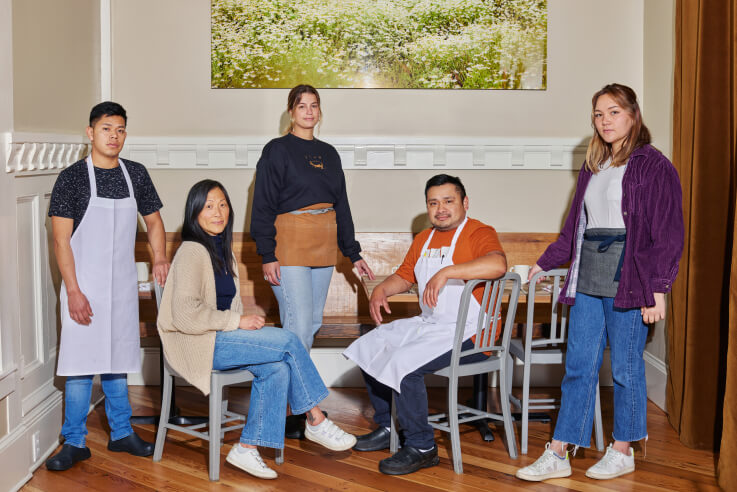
{"x": 202, "y": 328}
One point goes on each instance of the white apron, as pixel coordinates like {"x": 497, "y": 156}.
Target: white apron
{"x": 393, "y": 350}
{"x": 104, "y": 262}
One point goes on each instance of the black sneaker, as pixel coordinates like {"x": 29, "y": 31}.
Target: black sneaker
{"x": 373, "y": 441}
{"x": 409, "y": 460}
{"x": 64, "y": 459}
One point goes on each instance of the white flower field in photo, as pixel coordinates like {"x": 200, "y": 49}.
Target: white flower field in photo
{"x": 413, "y": 44}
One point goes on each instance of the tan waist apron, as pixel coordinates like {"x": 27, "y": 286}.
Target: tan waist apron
{"x": 307, "y": 237}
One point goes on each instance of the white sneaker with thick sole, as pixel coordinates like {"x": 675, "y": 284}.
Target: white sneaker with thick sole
{"x": 612, "y": 465}
{"x": 248, "y": 460}
{"x": 549, "y": 465}
{"x": 327, "y": 434}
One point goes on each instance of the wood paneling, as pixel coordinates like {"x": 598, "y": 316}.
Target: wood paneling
{"x": 669, "y": 465}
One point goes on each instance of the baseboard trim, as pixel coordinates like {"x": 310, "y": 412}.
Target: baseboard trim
{"x": 656, "y": 374}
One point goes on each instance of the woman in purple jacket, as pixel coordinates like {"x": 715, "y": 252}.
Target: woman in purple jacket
{"x": 623, "y": 238}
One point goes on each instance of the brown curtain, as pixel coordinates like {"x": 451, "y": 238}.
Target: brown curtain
{"x": 703, "y": 311}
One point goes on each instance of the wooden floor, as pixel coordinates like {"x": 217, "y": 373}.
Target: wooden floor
{"x": 668, "y": 466}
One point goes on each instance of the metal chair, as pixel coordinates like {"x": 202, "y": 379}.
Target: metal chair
{"x": 219, "y": 415}
{"x": 549, "y": 349}
{"x": 486, "y": 335}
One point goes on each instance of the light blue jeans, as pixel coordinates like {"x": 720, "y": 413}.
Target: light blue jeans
{"x": 77, "y": 394}
{"x": 593, "y": 321}
{"x": 301, "y": 297}
{"x": 283, "y": 373}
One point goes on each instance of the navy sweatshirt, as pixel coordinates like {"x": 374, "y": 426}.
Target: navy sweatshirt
{"x": 293, "y": 173}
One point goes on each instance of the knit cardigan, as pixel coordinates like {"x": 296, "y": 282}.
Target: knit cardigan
{"x": 188, "y": 316}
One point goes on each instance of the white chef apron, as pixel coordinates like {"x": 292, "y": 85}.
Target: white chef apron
{"x": 392, "y": 350}
{"x": 104, "y": 262}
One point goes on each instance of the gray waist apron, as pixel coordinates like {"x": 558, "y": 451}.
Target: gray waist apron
{"x": 602, "y": 254}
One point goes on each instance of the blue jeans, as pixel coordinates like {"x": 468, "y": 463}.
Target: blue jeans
{"x": 593, "y": 320}
{"x": 283, "y": 373}
{"x": 412, "y": 400}
{"x": 77, "y": 394}
{"x": 301, "y": 298}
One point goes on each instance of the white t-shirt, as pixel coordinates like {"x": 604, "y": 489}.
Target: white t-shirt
{"x": 603, "y": 198}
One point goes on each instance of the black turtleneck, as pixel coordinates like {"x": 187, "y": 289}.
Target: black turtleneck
{"x": 224, "y": 283}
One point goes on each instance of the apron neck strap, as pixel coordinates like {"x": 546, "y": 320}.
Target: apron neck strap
{"x": 93, "y": 181}
{"x": 452, "y": 243}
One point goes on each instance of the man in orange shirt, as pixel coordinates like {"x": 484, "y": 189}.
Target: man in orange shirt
{"x": 395, "y": 356}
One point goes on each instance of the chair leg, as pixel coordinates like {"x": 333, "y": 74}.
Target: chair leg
{"x": 507, "y": 414}
{"x": 167, "y": 383}
{"x": 525, "y": 406}
{"x": 225, "y": 399}
{"x": 279, "y": 456}
{"x": 393, "y": 434}
{"x": 455, "y": 438}
{"x": 214, "y": 432}
{"x": 598, "y": 426}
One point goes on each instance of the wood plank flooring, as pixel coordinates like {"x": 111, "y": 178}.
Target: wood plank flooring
{"x": 668, "y": 466}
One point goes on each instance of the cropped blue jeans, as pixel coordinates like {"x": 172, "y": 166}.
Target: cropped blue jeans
{"x": 593, "y": 321}
{"x": 301, "y": 295}
{"x": 283, "y": 373}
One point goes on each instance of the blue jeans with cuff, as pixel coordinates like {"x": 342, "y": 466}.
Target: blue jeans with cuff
{"x": 593, "y": 321}
{"x": 301, "y": 295}
{"x": 77, "y": 394}
{"x": 283, "y": 373}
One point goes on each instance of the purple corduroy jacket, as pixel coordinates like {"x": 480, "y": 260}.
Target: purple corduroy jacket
{"x": 653, "y": 216}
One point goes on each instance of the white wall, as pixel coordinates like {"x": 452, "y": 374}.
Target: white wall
{"x": 161, "y": 63}
{"x": 56, "y": 64}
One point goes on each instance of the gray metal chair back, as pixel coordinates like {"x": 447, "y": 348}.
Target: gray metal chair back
{"x": 219, "y": 417}
{"x": 547, "y": 349}
{"x": 487, "y": 326}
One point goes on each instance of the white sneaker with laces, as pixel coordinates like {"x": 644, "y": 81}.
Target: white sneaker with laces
{"x": 549, "y": 465}
{"x": 248, "y": 460}
{"x": 327, "y": 434}
{"x": 612, "y": 465}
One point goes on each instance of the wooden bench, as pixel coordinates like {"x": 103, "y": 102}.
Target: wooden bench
{"x": 346, "y": 309}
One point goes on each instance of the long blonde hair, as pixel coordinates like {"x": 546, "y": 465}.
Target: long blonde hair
{"x": 295, "y": 95}
{"x": 599, "y": 151}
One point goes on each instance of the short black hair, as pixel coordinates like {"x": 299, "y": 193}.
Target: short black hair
{"x": 107, "y": 108}
{"x": 441, "y": 179}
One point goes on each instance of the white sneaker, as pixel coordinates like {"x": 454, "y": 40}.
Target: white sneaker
{"x": 327, "y": 434}
{"x": 549, "y": 465}
{"x": 612, "y": 465}
{"x": 248, "y": 460}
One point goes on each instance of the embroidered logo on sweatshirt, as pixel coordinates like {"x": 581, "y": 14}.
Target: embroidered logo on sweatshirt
{"x": 315, "y": 161}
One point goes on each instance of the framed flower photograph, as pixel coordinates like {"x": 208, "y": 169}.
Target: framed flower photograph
{"x": 399, "y": 44}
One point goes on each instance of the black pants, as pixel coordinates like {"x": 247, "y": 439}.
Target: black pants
{"x": 412, "y": 400}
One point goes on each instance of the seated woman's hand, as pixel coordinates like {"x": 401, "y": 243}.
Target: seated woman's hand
{"x": 251, "y": 322}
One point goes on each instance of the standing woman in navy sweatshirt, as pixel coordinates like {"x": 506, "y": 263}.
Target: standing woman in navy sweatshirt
{"x": 301, "y": 217}
{"x": 623, "y": 238}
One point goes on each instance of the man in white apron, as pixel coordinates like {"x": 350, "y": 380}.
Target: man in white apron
{"x": 94, "y": 214}
{"x": 394, "y": 357}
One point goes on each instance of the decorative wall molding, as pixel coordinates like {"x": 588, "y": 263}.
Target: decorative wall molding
{"x": 47, "y": 152}
{"x": 371, "y": 153}
{"x": 42, "y": 151}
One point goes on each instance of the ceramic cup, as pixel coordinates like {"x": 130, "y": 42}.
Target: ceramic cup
{"x": 522, "y": 270}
